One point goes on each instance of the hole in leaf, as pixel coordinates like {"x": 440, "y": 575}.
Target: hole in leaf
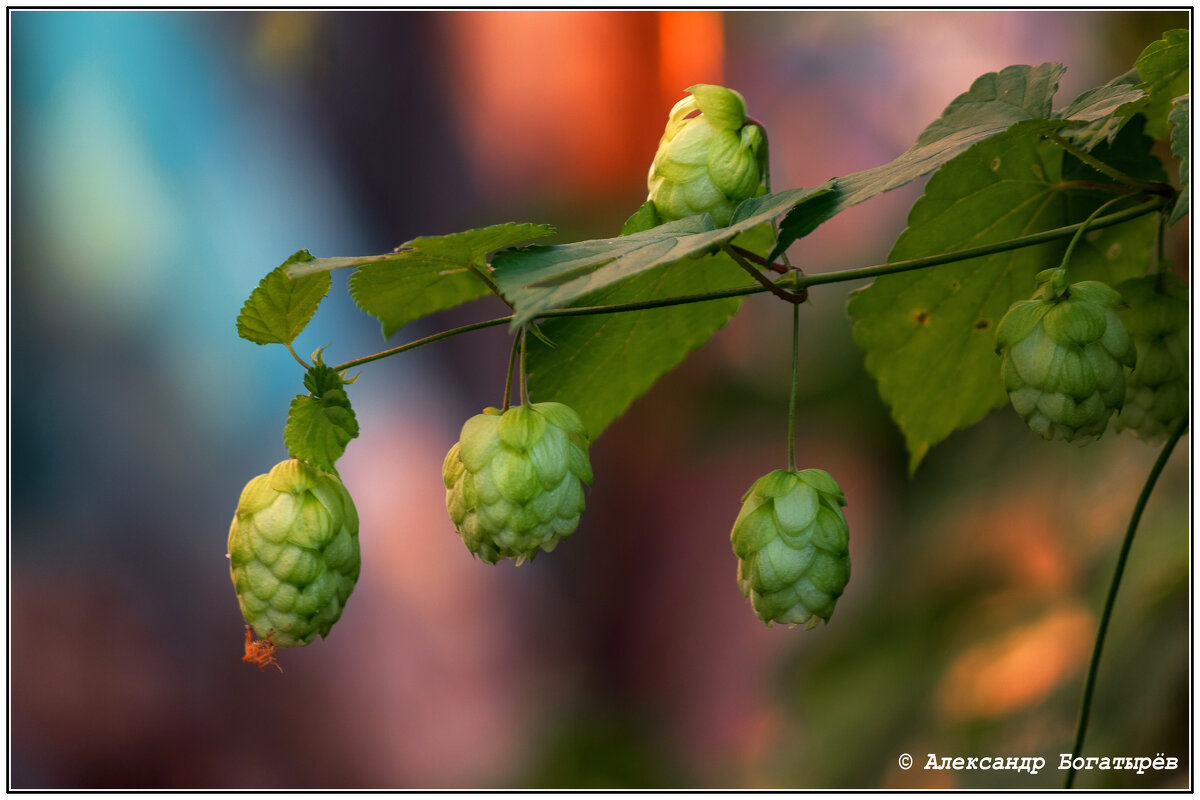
{"x": 995, "y": 163}
{"x": 955, "y": 286}
{"x": 922, "y": 317}
{"x": 983, "y": 324}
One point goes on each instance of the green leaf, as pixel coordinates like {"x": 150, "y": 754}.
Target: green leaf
{"x": 1163, "y": 68}
{"x": 1181, "y": 149}
{"x": 427, "y": 274}
{"x": 645, "y": 218}
{"x": 600, "y": 364}
{"x": 995, "y": 102}
{"x": 536, "y": 279}
{"x": 929, "y": 335}
{"x": 321, "y": 424}
{"x": 279, "y": 308}
{"x": 1106, "y": 127}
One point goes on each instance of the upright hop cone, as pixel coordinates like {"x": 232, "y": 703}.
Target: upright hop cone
{"x": 1062, "y": 353}
{"x": 514, "y": 480}
{"x": 293, "y": 552}
{"x": 709, "y": 158}
{"x": 1156, "y": 393}
{"x": 793, "y": 546}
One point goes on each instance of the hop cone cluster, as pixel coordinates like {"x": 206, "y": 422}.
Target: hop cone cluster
{"x": 293, "y": 552}
{"x": 1062, "y": 356}
{"x": 709, "y": 158}
{"x": 793, "y": 546}
{"x": 514, "y": 480}
{"x": 1156, "y": 392}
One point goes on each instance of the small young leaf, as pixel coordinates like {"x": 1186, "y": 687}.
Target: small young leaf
{"x": 929, "y": 335}
{"x": 600, "y": 364}
{"x": 539, "y": 278}
{"x": 1181, "y": 149}
{"x": 645, "y": 218}
{"x": 279, "y": 307}
{"x": 321, "y": 424}
{"x": 1164, "y": 69}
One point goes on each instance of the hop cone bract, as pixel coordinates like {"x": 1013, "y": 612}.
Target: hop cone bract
{"x": 709, "y": 158}
{"x": 793, "y": 546}
{"x": 1156, "y": 392}
{"x": 1062, "y": 353}
{"x": 293, "y": 552}
{"x": 514, "y": 480}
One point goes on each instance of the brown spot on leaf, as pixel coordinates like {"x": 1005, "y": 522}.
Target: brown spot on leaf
{"x": 955, "y": 286}
{"x": 922, "y": 317}
{"x": 983, "y": 324}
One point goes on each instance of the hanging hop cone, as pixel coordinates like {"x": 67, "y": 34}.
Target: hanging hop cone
{"x": 293, "y": 552}
{"x": 793, "y": 546}
{"x": 709, "y": 158}
{"x": 514, "y": 480}
{"x": 1061, "y": 354}
{"x": 1156, "y": 392}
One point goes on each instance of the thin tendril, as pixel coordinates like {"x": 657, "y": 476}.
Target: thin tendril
{"x": 508, "y": 373}
{"x": 795, "y": 383}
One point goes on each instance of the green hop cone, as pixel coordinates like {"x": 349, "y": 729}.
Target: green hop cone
{"x": 1156, "y": 392}
{"x": 293, "y": 552}
{"x": 1061, "y": 354}
{"x": 709, "y": 158}
{"x": 793, "y": 546}
{"x": 514, "y": 480}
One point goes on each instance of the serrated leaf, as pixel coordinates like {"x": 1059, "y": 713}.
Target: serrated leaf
{"x": 994, "y": 103}
{"x": 536, "y": 279}
{"x": 600, "y": 364}
{"x": 1181, "y": 148}
{"x": 1164, "y": 69}
{"x": 929, "y": 335}
{"x": 279, "y": 308}
{"x": 427, "y": 274}
{"x": 321, "y": 424}
{"x": 1105, "y": 127}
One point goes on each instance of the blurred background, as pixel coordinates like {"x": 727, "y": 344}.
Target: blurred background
{"x": 163, "y": 162}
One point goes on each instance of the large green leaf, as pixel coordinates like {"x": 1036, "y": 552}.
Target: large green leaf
{"x": 1181, "y": 148}
{"x": 1164, "y": 69}
{"x": 320, "y": 424}
{"x": 994, "y": 103}
{"x": 427, "y": 274}
{"x": 600, "y": 364}
{"x": 536, "y": 279}
{"x": 929, "y": 335}
{"x": 279, "y": 307}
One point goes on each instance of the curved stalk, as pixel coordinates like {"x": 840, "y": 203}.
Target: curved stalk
{"x": 1089, "y": 685}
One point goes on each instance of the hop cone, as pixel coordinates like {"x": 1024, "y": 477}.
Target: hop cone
{"x": 514, "y": 480}
{"x": 293, "y": 552}
{"x": 709, "y": 158}
{"x": 1156, "y": 393}
{"x": 793, "y": 546}
{"x": 1061, "y": 357}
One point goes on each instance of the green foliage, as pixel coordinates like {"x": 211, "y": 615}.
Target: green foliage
{"x": 995, "y": 102}
{"x": 1163, "y": 68}
{"x": 280, "y": 307}
{"x": 1181, "y": 149}
{"x": 428, "y": 274}
{"x": 322, "y": 423}
{"x": 536, "y": 279}
{"x": 929, "y": 335}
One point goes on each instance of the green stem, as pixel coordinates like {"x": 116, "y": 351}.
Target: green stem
{"x": 802, "y": 281}
{"x": 1153, "y": 187}
{"x": 522, "y": 376}
{"x": 1082, "y": 229}
{"x": 1089, "y": 685}
{"x": 983, "y": 250}
{"x": 299, "y": 360}
{"x": 795, "y": 383}
{"x": 508, "y": 373}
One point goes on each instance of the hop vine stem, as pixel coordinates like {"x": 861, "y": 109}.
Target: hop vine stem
{"x": 1089, "y": 685}
{"x": 800, "y": 282}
